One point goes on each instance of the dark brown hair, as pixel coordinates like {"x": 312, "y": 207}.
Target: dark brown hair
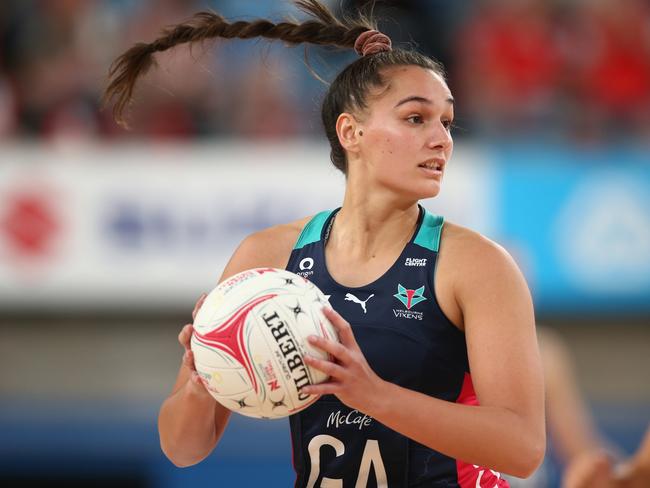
{"x": 348, "y": 92}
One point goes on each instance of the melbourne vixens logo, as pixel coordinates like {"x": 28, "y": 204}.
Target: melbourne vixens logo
{"x": 409, "y": 298}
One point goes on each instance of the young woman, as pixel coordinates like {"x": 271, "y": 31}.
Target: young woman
{"x": 438, "y": 360}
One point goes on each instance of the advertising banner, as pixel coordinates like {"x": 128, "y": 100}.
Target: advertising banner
{"x": 147, "y": 227}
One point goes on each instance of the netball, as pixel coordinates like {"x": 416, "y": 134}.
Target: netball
{"x": 250, "y": 339}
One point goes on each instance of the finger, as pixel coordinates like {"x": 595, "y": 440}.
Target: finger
{"x": 336, "y": 349}
{"x": 196, "y": 379}
{"x": 327, "y": 388}
{"x": 328, "y": 367}
{"x": 185, "y": 335}
{"x": 198, "y": 304}
{"x": 341, "y": 325}
{"x": 198, "y": 384}
{"x": 188, "y": 360}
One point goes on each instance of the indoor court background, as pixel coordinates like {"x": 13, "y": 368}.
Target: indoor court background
{"x": 107, "y": 237}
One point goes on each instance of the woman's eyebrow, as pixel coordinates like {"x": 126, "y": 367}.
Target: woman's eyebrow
{"x": 415, "y": 98}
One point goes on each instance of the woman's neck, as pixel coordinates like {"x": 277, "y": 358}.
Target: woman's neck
{"x": 368, "y": 225}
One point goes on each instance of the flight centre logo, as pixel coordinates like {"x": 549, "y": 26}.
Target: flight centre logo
{"x": 409, "y": 298}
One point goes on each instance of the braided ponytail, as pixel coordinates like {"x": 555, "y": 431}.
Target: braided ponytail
{"x": 325, "y": 29}
{"x": 347, "y": 93}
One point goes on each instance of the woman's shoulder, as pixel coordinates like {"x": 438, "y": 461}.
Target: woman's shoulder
{"x": 469, "y": 265}
{"x": 469, "y": 247}
{"x": 465, "y": 237}
{"x": 279, "y": 238}
{"x": 270, "y": 247}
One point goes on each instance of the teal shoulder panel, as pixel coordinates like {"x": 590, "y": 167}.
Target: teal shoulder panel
{"x": 313, "y": 230}
{"x": 430, "y": 230}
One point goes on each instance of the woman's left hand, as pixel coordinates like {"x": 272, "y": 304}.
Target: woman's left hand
{"x": 351, "y": 378}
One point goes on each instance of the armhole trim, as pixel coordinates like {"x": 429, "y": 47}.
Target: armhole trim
{"x": 429, "y": 234}
{"x": 312, "y": 232}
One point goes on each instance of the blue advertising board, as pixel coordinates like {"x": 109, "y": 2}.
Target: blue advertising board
{"x": 578, "y": 222}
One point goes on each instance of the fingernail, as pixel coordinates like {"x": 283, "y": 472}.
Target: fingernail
{"x": 312, "y": 338}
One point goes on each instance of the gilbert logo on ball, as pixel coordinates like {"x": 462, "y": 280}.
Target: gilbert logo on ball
{"x": 250, "y": 338}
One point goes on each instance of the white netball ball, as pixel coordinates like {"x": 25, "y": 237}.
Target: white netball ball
{"x": 250, "y": 339}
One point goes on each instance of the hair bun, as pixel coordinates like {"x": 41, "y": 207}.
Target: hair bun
{"x": 372, "y": 42}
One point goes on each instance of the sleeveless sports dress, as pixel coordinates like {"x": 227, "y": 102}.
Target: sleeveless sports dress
{"x": 406, "y": 340}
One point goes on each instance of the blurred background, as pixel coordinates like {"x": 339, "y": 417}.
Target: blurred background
{"x": 107, "y": 236}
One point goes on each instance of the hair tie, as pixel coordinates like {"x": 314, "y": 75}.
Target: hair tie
{"x": 372, "y": 42}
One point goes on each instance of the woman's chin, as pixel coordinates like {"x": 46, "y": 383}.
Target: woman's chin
{"x": 430, "y": 190}
{"x": 416, "y": 190}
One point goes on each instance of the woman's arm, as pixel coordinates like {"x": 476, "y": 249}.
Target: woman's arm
{"x": 506, "y": 432}
{"x": 191, "y": 422}
{"x": 570, "y": 423}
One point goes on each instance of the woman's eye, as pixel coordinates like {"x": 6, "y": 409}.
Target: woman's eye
{"x": 415, "y": 119}
{"x": 447, "y": 124}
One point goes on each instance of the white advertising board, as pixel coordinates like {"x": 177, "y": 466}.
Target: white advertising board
{"x": 141, "y": 227}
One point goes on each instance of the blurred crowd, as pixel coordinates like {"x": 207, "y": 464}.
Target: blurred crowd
{"x": 576, "y": 70}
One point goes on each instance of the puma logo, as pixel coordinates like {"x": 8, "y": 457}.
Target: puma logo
{"x": 351, "y": 298}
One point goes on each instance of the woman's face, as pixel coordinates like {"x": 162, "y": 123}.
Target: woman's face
{"x": 406, "y": 140}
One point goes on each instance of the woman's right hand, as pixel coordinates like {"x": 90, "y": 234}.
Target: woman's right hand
{"x": 188, "y": 356}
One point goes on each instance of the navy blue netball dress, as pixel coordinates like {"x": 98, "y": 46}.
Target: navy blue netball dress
{"x": 408, "y": 341}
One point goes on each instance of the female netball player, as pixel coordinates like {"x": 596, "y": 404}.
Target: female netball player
{"x": 438, "y": 360}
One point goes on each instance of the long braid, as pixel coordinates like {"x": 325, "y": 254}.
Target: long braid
{"x": 135, "y": 62}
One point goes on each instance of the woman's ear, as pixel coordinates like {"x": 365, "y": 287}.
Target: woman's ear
{"x": 349, "y": 132}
